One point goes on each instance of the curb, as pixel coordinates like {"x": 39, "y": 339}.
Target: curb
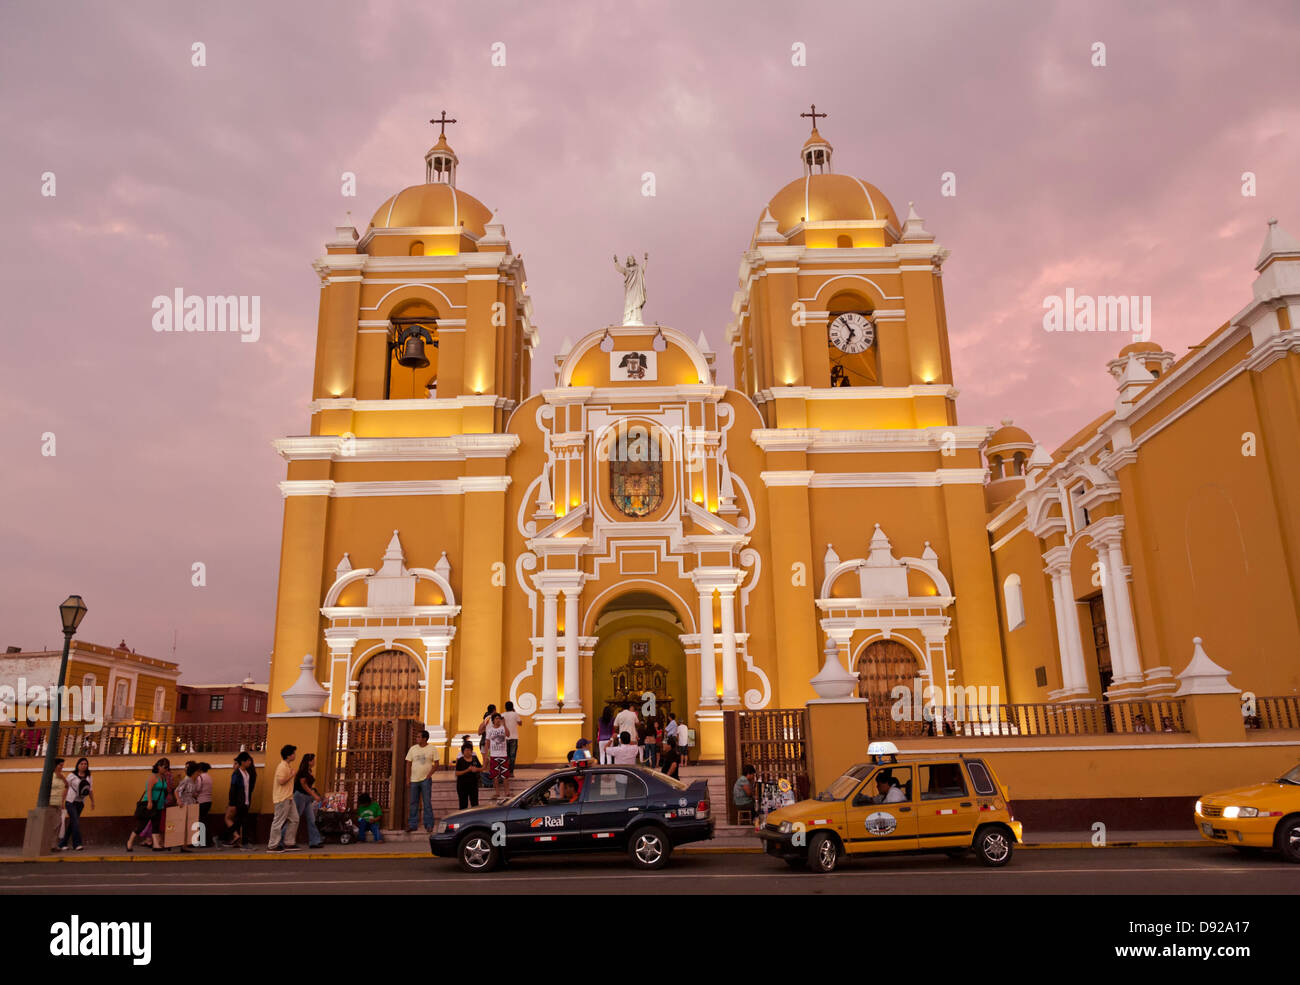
{"x": 263, "y": 856}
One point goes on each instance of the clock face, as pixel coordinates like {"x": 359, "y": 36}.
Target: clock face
{"x": 852, "y": 332}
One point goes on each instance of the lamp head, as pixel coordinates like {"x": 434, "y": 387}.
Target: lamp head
{"x": 72, "y": 611}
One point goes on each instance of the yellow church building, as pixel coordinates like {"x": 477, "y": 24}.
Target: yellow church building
{"x": 453, "y": 539}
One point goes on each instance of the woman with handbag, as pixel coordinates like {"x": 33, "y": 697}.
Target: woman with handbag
{"x": 149, "y": 808}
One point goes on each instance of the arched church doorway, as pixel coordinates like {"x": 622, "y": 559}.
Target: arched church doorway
{"x": 389, "y": 686}
{"x": 883, "y": 666}
{"x": 638, "y": 651}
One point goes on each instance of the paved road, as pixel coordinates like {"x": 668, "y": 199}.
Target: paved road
{"x": 1165, "y": 871}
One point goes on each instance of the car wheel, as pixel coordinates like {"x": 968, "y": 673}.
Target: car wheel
{"x": 345, "y": 839}
{"x": 993, "y": 846}
{"x": 477, "y": 853}
{"x": 823, "y": 853}
{"x": 1288, "y": 838}
{"x": 649, "y": 848}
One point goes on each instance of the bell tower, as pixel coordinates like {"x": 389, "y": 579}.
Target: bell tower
{"x": 836, "y": 293}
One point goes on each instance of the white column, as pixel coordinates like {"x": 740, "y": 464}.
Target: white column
{"x": 708, "y": 676}
{"x": 730, "y": 679}
{"x": 572, "y": 662}
{"x": 549, "y": 671}
{"x": 1073, "y": 676}
{"x": 1120, "y": 674}
{"x": 1124, "y": 611}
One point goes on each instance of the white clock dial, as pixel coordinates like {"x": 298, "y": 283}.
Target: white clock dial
{"x": 852, "y": 332}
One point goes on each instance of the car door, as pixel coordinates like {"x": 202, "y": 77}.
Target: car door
{"x": 611, "y": 800}
{"x": 947, "y": 814}
{"x": 542, "y": 821}
{"x": 882, "y": 827}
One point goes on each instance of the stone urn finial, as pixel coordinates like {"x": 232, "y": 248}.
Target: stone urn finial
{"x": 306, "y": 696}
{"x": 833, "y": 681}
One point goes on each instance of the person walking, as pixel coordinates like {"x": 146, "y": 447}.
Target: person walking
{"x": 187, "y": 795}
{"x": 284, "y": 826}
{"x": 305, "y": 799}
{"x": 512, "y": 721}
{"x": 58, "y": 798}
{"x": 80, "y": 789}
{"x": 468, "y": 769}
{"x": 604, "y": 732}
{"x": 243, "y": 778}
{"x": 149, "y": 808}
{"x": 670, "y": 731}
{"x": 204, "y": 785}
{"x": 421, "y": 763}
{"x": 683, "y": 745}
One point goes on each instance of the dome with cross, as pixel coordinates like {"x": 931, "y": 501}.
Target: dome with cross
{"x": 824, "y": 208}
{"x": 437, "y": 203}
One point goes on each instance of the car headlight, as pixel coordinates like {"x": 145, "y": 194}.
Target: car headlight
{"x": 1198, "y": 807}
{"x": 442, "y": 827}
{"x": 1241, "y": 812}
{"x": 786, "y": 827}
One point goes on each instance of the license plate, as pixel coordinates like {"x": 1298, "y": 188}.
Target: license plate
{"x": 1208, "y": 829}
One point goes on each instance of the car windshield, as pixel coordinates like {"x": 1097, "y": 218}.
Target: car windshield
{"x": 1291, "y": 776}
{"x": 845, "y": 785}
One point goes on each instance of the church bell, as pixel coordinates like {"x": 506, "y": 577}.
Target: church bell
{"x": 412, "y": 355}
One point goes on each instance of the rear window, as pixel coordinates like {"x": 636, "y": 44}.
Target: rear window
{"x": 980, "y": 778}
{"x": 668, "y": 781}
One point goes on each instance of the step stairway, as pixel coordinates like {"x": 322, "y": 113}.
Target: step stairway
{"x": 445, "y": 801}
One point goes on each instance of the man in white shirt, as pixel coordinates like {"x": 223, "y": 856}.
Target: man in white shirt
{"x": 627, "y": 752}
{"x": 887, "y": 792}
{"x": 626, "y": 721}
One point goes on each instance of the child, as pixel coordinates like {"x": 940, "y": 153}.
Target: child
{"x": 368, "y": 815}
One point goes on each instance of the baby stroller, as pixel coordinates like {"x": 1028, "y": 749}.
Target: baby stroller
{"x": 334, "y": 818}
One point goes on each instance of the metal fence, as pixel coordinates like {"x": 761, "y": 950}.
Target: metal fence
{"x": 773, "y": 741}
{"x": 369, "y": 758}
{"x": 138, "y": 739}
{"x": 1276, "y": 712}
{"x": 1087, "y": 718}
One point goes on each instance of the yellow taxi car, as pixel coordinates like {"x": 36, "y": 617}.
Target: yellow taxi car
{"x": 934, "y": 802}
{"x": 1256, "y": 817}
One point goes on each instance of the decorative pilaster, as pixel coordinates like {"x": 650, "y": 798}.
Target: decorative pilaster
{"x": 1074, "y": 679}
{"x": 550, "y": 684}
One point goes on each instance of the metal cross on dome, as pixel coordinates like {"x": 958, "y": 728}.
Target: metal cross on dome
{"x": 814, "y": 114}
{"x": 442, "y": 122}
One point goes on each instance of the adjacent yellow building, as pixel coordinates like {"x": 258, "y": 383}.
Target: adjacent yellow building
{"x": 453, "y": 539}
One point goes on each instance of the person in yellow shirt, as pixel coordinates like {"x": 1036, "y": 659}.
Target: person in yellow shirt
{"x": 284, "y": 827}
{"x": 421, "y": 762}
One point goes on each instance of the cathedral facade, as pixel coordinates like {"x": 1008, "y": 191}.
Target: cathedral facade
{"x": 453, "y": 539}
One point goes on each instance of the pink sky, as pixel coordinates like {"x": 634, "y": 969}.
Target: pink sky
{"x": 226, "y": 180}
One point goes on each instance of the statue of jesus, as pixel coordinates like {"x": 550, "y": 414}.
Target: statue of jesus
{"x": 633, "y": 288}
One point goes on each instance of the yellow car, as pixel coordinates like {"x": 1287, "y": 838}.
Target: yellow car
{"x": 898, "y": 804}
{"x": 1253, "y": 818}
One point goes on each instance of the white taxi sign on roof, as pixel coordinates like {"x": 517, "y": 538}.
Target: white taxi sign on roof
{"x": 882, "y": 748}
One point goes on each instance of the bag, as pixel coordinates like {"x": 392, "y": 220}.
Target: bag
{"x": 180, "y": 825}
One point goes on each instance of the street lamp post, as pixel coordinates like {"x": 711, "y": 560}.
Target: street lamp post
{"x": 72, "y": 611}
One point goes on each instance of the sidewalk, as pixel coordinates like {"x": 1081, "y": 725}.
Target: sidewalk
{"x": 400, "y": 844}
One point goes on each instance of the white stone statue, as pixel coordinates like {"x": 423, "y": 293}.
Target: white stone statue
{"x": 633, "y": 288}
